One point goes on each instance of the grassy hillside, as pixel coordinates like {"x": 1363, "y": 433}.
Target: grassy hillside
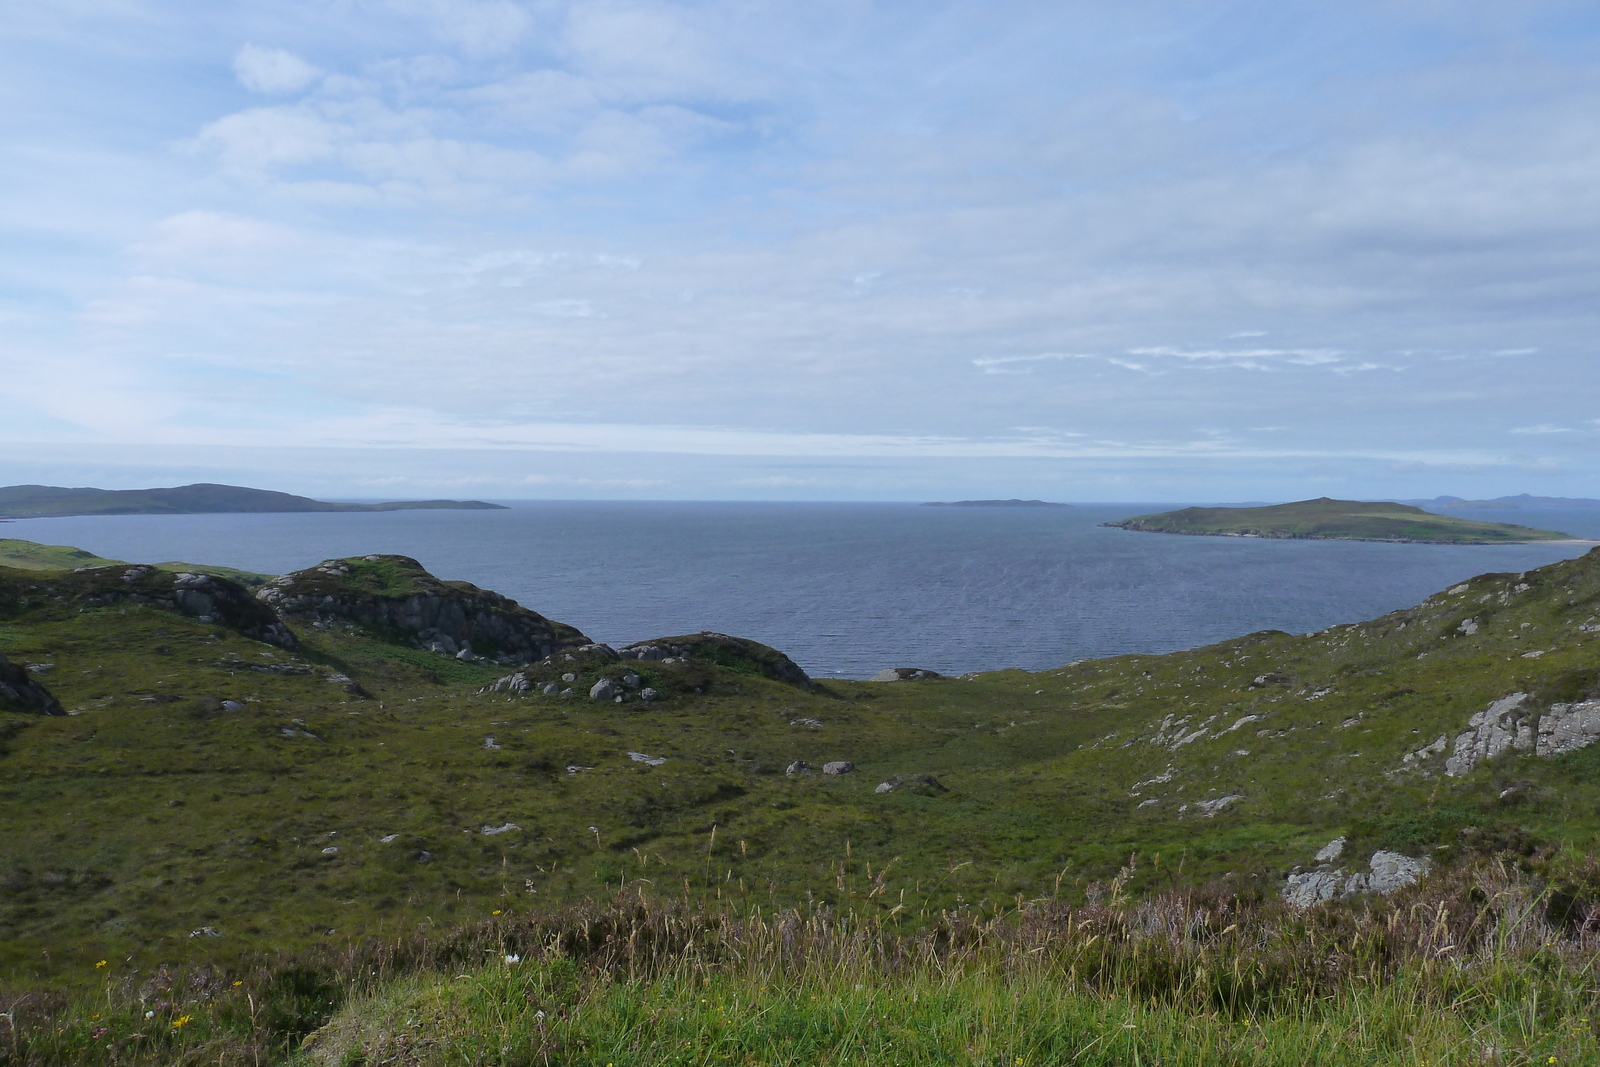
{"x": 38, "y": 501}
{"x": 210, "y": 799}
{"x": 1344, "y": 520}
{"x": 32, "y": 556}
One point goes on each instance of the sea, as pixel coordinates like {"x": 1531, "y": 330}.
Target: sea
{"x": 849, "y": 589}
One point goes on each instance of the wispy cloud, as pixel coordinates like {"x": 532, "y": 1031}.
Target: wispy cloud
{"x": 833, "y": 229}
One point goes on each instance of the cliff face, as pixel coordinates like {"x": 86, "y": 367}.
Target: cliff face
{"x": 18, "y": 692}
{"x": 396, "y": 596}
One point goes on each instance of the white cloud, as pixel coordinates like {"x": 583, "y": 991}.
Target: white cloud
{"x": 1542, "y": 428}
{"x": 272, "y": 70}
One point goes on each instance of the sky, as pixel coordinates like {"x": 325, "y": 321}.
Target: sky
{"x": 1154, "y": 250}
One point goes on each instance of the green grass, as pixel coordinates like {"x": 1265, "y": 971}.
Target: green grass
{"x": 152, "y": 812}
{"x": 1351, "y": 520}
{"x": 1043, "y": 774}
{"x": 1469, "y": 971}
{"x": 32, "y": 556}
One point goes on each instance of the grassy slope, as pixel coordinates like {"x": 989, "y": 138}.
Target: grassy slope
{"x": 151, "y": 813}
{"x": 1337, "y": 519}
{"x": 32, "y": 556}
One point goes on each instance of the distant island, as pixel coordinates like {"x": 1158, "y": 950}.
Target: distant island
{"x": 204, "y": 498}
{"x": 1339, "y": 520}
{"x": 993, "y": 504}
{"x": 1521, "y": 500}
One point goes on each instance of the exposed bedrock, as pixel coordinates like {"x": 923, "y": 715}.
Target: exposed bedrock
{"x": 18, "y": 692}
{"x": 203, "y": 597}
{"x": 1512, "y": 724}
{"x": 396, "y": 596}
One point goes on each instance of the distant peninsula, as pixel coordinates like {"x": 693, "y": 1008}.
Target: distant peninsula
{"x": 204, "y": 498}
{"x": 993, "y": 504}
{"x": 1338, "y": 520}
{"x": 1521, "y": 500}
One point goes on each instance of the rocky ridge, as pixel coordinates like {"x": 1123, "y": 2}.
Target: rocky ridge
{"x": 204, "y": 597}
{"x": 396, "y": 596}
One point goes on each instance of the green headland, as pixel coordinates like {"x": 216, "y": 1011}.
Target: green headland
{"x": 39, "y": 501}
{"x": 361, "y": 815}
{"x": 1341, "y": 520}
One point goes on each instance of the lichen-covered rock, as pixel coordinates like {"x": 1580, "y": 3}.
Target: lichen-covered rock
{"x": 396, "y": 596}
{"x": 1566, "y": 727}
{"x": 1505, "y": 724}
{"x": 922, "y": 784}
{"x": 1388, "y": 872}
{"x": 18, "y": 692}
{"x": 838, "y": 766}
{"x": 511, "y": 683}
{"x": 720, "y": 650}
{"x": 1392, "y": 871}
{"x": 1512, "y": 724}
{"x": 904, "y": 674}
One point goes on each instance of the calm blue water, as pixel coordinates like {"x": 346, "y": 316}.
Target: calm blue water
{"x": 848, "y": 589}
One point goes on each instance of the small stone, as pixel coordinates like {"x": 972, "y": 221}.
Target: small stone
{"x": 797, "y": 767}
{"x": 604, "y": 689}
{"x": 886, "y": 787}
{"x": 331, "y": 850}
{"x": 232, "y": 705}
{"x": 550, "y": 688}
{"x": 569, "y": 677}
{"x": 648, "y": 694}
{"x": 465, "y": 655}
{"x": 389, "y": 839}
{"x": 631, "y": 680}
{"x": 1331, "y": 851}
{"x": 838, "y": 766}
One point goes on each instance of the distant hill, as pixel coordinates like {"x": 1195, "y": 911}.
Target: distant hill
{"x": 1521, "y": 500}
{"x": 40, "y": 501}
{"x": 993, "y": 504}
{"x": 1341, "y": 520}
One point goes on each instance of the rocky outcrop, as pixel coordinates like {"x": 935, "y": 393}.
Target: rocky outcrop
{"x": 1386, "y": 873}
{"x": 1505, "y": 724}
{"x": 395, "y": 596}
{"x": 903, "y": 674}
{"x": 921, "y": 784}
{"x": 205, "y": 598}
{"x": 734, "y": 653}
{"x": 1566, "y": 727}
{"x": 18, "y": 692}
{"x": 1510, "y": 724}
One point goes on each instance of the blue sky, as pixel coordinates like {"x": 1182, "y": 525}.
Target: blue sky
{"x": 831, "y": 250}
